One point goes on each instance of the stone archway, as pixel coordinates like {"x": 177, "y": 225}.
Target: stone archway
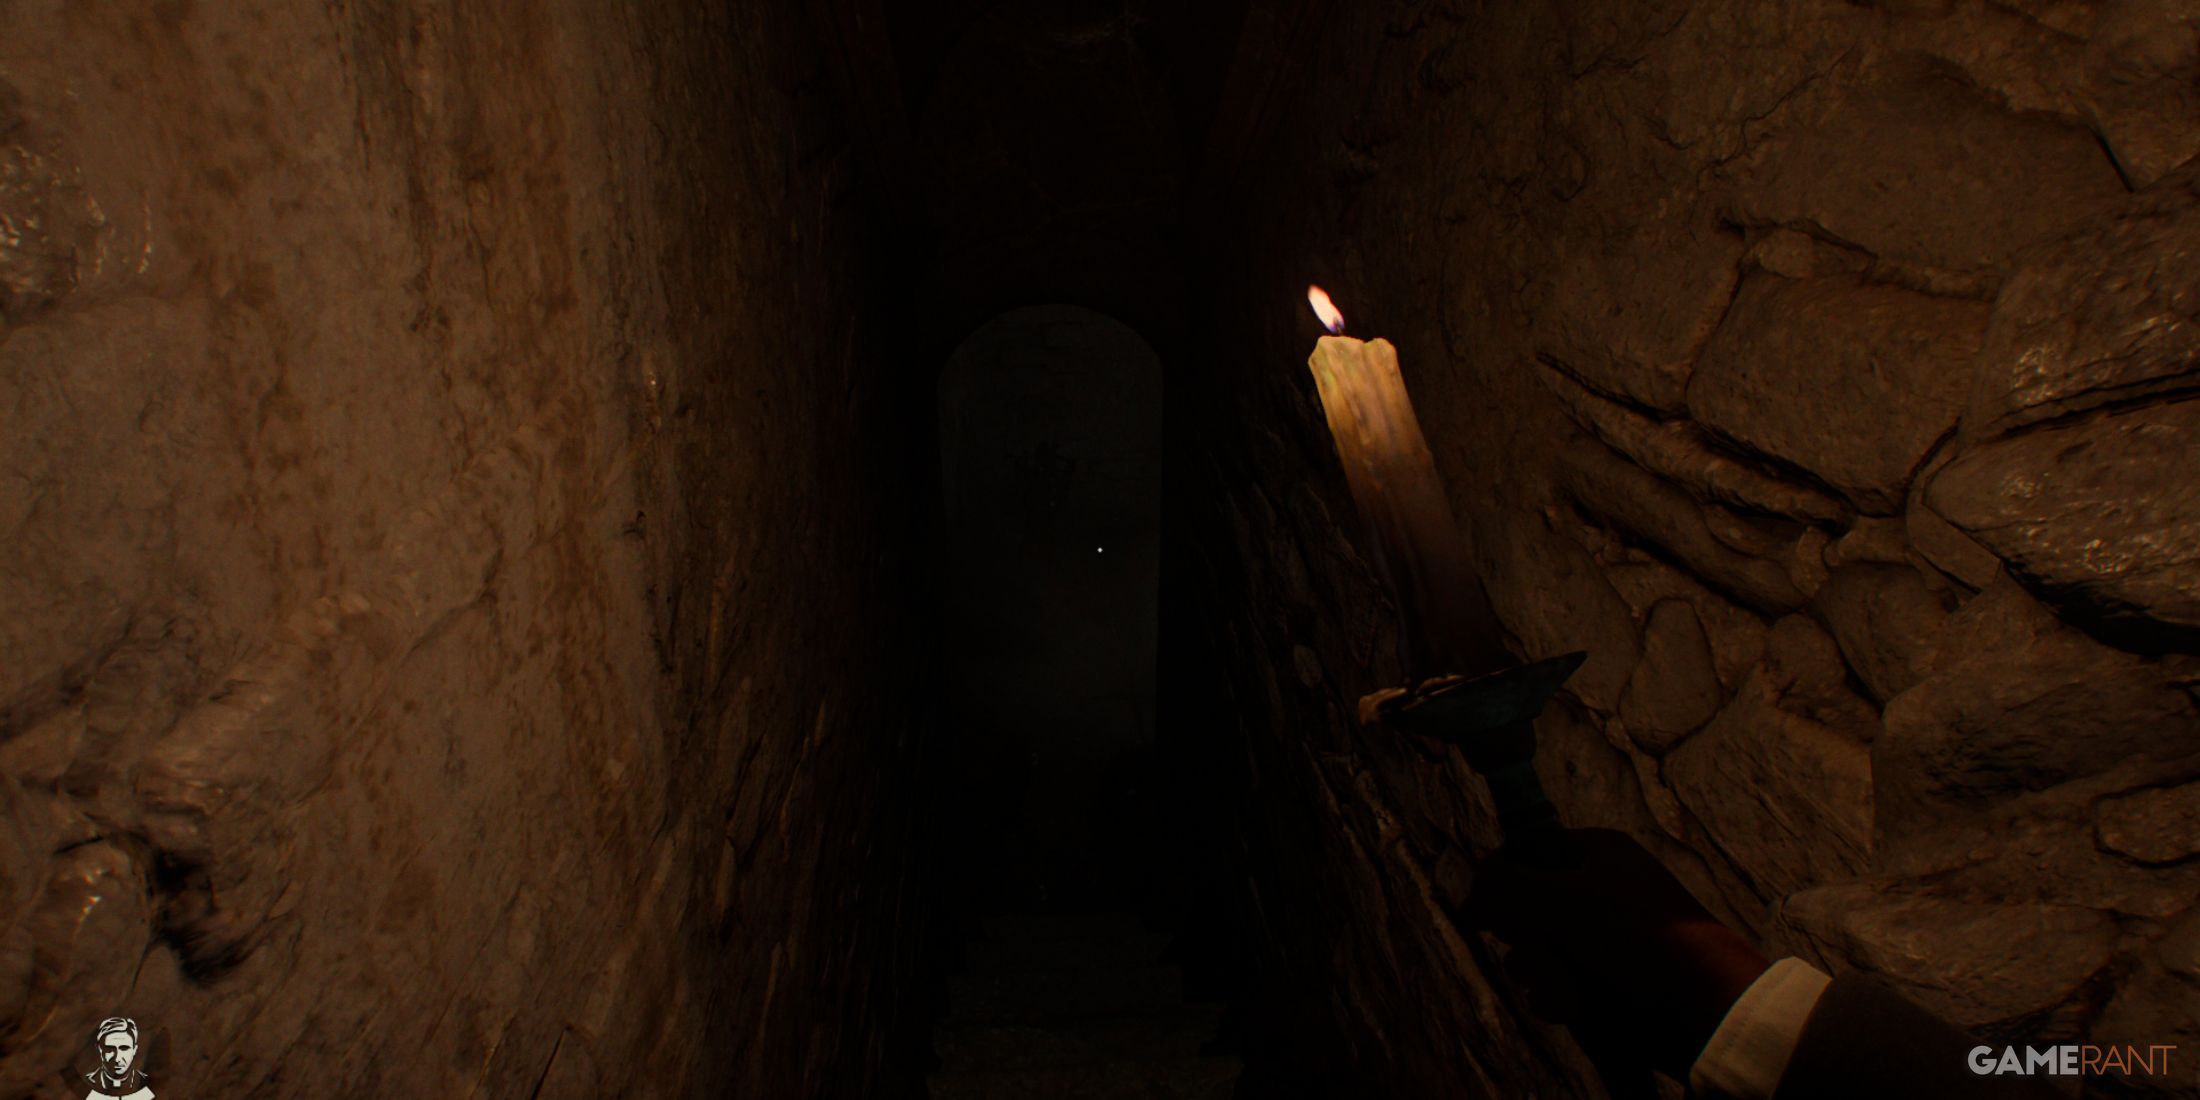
{"x": 1050, "y": 429}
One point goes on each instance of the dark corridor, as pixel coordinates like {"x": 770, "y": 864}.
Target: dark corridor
{"x": 1050, "y": 425}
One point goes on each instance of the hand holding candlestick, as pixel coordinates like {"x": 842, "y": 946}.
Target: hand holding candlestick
{"x": 1470, "y": 692}
{"x": 1487, "y": 704}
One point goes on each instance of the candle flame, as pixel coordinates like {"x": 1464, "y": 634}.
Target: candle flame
{"x": 1332, "y": 317}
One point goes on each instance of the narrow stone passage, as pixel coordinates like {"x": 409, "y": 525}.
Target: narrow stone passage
{"x": 686, "y": 549}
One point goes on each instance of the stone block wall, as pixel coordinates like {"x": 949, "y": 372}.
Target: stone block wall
{"x": 1828, "y": 372}
{"x": 441, "y": 446}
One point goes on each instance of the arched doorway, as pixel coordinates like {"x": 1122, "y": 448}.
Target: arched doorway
{"x": 1050, "y": 451}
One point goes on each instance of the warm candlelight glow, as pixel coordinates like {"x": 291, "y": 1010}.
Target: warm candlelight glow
{"x": 1332, "y": 317}
{"x": 1447, "y": 623}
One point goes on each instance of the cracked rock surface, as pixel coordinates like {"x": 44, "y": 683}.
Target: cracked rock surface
{"x": 390, "y": 401}
{"x": 1852, "y": 346}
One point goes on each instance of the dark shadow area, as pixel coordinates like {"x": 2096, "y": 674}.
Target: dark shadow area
{"x": 1086, "y": 931}
{"x": 1051, "y": 467}
{"x": 1058, "y": 884}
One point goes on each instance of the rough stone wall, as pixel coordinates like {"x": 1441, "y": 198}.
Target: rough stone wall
{"x": 1828, "y": 372}
{"x": 434, "y": 438}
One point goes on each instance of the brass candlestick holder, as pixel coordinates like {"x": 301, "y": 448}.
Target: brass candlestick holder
{"x": 1491, "y": 720}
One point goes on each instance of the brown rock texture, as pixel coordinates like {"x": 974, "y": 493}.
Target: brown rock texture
{"x": 2095, "y": 516}
{"x": 1997, "y": 969}
{"x": 1675, "y": 689}
{"x": 1850, "y": 346}
{"x": 2108, "y": 314}
{"x": 1787, "y": 799}
{"x": 426, "y": 480}
{"x": 1852, "y": 382}
{"x": 2152, "y": 826}
{"x": 1888, "y": 621}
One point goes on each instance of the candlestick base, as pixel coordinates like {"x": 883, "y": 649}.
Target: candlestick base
{"x": 1491, "y": 720}
{"x": 1459, "y": 709}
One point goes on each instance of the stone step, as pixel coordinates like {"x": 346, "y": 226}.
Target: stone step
{"x": 1176, "y": 1033}
{"x": 1048, "y": 996}
{"x": 1066, "y": 952}
{"x": 1171, "y": 1079}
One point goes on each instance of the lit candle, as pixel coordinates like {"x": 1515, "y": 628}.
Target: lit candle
{"x": 1448, "y": 623}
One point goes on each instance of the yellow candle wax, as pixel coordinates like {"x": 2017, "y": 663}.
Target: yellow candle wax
{"x": 1394, "y": 483}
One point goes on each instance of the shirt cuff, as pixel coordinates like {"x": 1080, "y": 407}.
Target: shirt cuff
{"x": 1751, "y": 1048}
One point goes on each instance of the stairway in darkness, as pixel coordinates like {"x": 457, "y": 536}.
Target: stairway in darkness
{"x": 1076, "y": 1006}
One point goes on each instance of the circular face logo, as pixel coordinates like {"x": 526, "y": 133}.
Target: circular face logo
{"x": 121, "y": 1072}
